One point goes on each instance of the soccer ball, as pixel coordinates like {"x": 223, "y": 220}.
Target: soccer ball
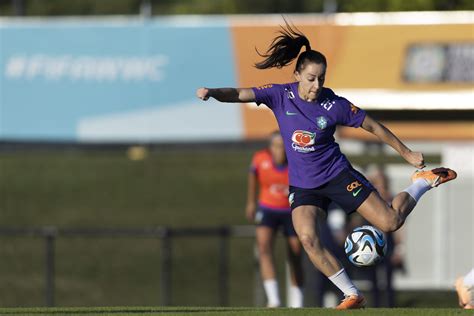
{"x": 365, "y": 246}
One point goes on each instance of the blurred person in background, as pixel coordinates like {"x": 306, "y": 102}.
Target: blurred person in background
{"x": 268, "y": 178}
{"x": 465, "y": 289}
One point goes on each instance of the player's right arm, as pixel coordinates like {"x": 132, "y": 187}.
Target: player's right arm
{"x": 226, "y": 94}
{"x": 252, "y": 188}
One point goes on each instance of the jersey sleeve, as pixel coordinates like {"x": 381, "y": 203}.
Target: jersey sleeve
{"x": 349, "y": 114}
{"x": 268, "y": 94}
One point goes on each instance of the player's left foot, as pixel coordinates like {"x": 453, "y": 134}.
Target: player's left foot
{"x": 352, "y": 302}
{"x": 435, "y": 176}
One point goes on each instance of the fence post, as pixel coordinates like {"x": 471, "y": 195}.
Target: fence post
{"x": 223, "y": 277}
{"x": 259, "y": 295}
{"x": 166, "y": 265}
{"x": 50, "y": 238}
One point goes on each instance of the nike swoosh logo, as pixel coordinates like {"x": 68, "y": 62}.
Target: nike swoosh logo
{"x": 354, "y": 194}
{"x": 291, "y": 113}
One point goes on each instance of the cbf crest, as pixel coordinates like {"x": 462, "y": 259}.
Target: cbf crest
{"x": 321, "y": 122}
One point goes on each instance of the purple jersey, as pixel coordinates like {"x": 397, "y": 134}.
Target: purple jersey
{"x": 308, "y": 129}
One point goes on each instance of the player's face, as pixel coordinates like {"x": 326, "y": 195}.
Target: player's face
{"x": 311, "y": 80}
{"x": 277, "y": 149}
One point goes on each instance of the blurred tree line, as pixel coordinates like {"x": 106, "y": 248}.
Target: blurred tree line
{"x": 164, "y": 7}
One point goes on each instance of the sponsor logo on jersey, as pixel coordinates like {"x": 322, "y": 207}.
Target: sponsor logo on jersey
{"x": 265, "y": 86}
{"x": 288, "y": 113}
{"x": 321, "y": 122}
{"x": 303, "y": 141}
{"x": 278, "y": 189}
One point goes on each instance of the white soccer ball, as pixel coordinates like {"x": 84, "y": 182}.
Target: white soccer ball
{"x": 365, "y": 246}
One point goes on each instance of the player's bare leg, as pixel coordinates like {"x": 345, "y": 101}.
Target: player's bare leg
{"x": 294, "y": 259}
{"x": 265, "y": 240}
{"x": 376, "y": 211}
{"x": 305, "y": 221}
{"x": 391, "y": 218}
{"x": 296, "y": 271}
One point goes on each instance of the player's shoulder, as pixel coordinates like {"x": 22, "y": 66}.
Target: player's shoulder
{"x": 330, "y": 97}
{"x": 261, "y": 155}
{"x": 328, "y": 93}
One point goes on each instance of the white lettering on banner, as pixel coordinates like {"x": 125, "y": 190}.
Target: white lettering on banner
{"x": 86, "y": 68}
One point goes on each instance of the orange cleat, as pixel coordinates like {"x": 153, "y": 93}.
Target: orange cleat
{"x": 352, "y": 302}
{"x": 435, "y": 176}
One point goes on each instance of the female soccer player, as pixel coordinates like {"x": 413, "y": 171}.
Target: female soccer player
{"x": 308, "y": 114}
{"x": 269, "y": 177}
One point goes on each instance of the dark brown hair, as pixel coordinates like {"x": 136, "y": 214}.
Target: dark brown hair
{"x": 286, "y": 47}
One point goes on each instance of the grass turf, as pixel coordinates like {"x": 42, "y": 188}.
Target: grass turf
{"x": 228, "y": 311}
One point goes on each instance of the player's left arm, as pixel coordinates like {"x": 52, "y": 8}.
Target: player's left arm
{"x": 385, "y": 135}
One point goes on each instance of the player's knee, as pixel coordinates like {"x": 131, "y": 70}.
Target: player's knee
{"x": 264, "y": 249}
{"x": 391, "y": 224}
{"x": 387, "y": 228}
{"x": 308, "y": 241}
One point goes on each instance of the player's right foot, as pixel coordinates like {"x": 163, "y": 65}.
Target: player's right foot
{"x": 435, "y": 176}
{"x": 352, "y": 302}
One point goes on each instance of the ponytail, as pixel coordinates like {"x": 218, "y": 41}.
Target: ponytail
{"x": 286, "y": 47}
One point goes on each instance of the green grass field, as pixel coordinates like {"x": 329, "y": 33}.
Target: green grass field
{"x": 203, "y": 311}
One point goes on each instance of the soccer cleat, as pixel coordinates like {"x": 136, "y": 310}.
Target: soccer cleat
{"x": 435, "y": 176}
{"x": 352, "y": 302}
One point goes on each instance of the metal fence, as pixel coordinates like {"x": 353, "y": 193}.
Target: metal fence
{"x": 165, "y": 234}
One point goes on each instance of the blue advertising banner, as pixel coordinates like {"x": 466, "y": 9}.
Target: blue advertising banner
{"x": 127, "y": 80}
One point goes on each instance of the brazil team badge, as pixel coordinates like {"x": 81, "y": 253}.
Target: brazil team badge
{"x": 321, "y": 122}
